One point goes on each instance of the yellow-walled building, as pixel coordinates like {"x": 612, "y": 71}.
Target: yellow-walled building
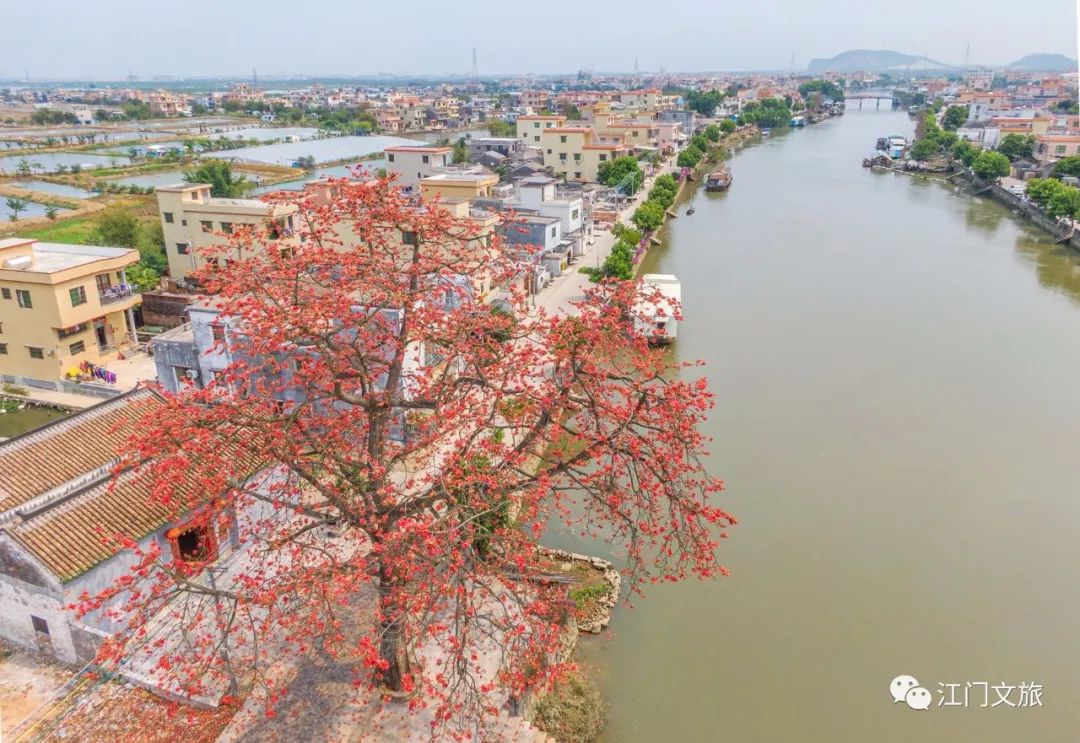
{"x": 576, "y": 152}
{"x": 61, "y": 305}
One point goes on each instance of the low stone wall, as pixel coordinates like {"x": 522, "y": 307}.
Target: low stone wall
{"x": 61, "y": 385}
{"x": 1026, "y": 208}
{"x": 611, "y": 576}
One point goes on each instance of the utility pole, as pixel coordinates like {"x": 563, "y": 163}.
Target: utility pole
{"x": 475, "y": 72}
{"x": 635, "y": 66}
{"x": 254, "y": 78}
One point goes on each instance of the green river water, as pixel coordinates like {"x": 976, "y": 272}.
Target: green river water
{"x": 897, "y": 373}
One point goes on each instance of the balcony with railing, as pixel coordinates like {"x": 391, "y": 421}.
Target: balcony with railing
{"x": 113, "y": 294}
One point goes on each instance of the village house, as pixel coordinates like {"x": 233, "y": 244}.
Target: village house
{"x": 194, "y": 221}
{"x": 530, "y": 127}
{"x": 60, "y": 505}
{"x": 576, "y": 153}
{"x": 1053, "y": 146}
{"x": 411, "y": 163}
{"x": 62, "y": 305}
{"x": 468, "y": 183}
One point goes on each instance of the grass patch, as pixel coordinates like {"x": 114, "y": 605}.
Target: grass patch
{"x": 583, "y": 595}
{"x": 76, "y": 231}
{"x": 572, "y": 711}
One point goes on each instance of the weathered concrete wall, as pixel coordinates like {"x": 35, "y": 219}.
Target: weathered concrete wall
{"x": 19, "y": 601}
{"x": 1026, "y": 208}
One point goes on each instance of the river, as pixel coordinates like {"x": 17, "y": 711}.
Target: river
{"x": 898, "y": 423}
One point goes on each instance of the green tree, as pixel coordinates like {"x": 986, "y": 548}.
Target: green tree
{"x": 1067, "y": 166}
{"x": 1041, "y": 190}
{"x": 770, "y": 112}
{"x": 219, "y": 174}
{"x": 1017, "y": 147}
{"x": 15, "y": 205}
{"x": 461, "y": 151}
{"x": 24, "y": 168}
{"x": 965, "y": 152}
{"x": 501, "y": 128}
{"x": 712, "y": 133}
{"x": 307, "y": 162}
{"x": 117, "y": 227}
{"x": 954, "y": 118}
{"x": 613, "y": 172}
{"x": 923, "y": 149}
{"x": 825, "y": 87}
{"x": 51, "y": 210}
{"x": 727, "y": 126}
{"x": 572, "y": 112}
{"x": 143, "y": 277}
{"x": 689, "y": 157}
{"x": 1065, "y": 203}
{"x": 649, "y": 216}
{"x": 990, "y": 165}
{"x": 704, "y": 102}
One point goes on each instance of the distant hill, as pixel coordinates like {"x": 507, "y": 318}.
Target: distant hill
{"x": 1044, "y": 63}
{"x": 868, "y": 60}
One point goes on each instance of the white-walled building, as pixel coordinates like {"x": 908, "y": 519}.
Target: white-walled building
{"x": 412, "y": 164}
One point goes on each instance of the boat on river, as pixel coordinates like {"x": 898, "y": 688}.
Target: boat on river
{"x": 718, "y": 180}
{"x": 659, "y": 308}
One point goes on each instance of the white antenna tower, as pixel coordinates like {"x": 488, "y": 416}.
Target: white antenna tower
{"x": 475, "y": 68}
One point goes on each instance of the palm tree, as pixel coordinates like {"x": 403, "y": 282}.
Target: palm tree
{"x": 51, "y": 210}
{"x": 16, "y": 205}
{"x": 23, "y": 168}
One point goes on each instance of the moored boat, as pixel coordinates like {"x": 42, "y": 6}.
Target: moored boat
{"x": 718, "y": 180}
{"x": 659, "y": 308}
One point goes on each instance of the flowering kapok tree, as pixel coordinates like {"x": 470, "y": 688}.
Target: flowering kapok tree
{"x": 378, "y": 393}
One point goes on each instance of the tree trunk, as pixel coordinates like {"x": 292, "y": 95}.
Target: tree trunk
{"x": 392, "y": 647}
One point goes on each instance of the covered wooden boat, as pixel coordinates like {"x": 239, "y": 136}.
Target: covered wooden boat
{"x": 718, "y": 180}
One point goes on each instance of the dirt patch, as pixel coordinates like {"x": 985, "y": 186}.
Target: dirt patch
{"x": 112, "y": 712}
{"x": 26, "y": 682}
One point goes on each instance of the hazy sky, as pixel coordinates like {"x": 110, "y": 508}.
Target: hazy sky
{"x": 102, "y": 39}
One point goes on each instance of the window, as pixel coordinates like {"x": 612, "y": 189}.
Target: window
{"x": 537, "y": 138}
{"x": 183, "y": 223}
{"x": 562, "y": 138}
{"x": 553, "y": 232}
{"x": 577, "y": 157}
{"x": 1059, "y": 149}
{"x": 603, "y": 157}
{"x": 549, "y": 152}
{"x": 536, "y": 125}
{"x": 5, "y": 293}
{"x": 193, "y": 543}
{"x": 577, "y": 174}
{"x": 562, "y": 156}
{"x": 390, "y": 157}
{"x": 574, "y": 214}
{"x": 218, "y": 331}
{"x": 24, "y": 298}
{"x": 78, "y": 295}
{"x": 226, "y": 227}
{"x": 206, "y": 226}
{"x": 36, "y": 352}
{"x": 408, "y": 237}
{"x": 103, "y": 282}
{"x": 182, "y": 248}
{"x": 168, "y": 217}
{"x": 77, "y": 347}
{"x": 40, "y": 625}
{"x": 3, "y": 349}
